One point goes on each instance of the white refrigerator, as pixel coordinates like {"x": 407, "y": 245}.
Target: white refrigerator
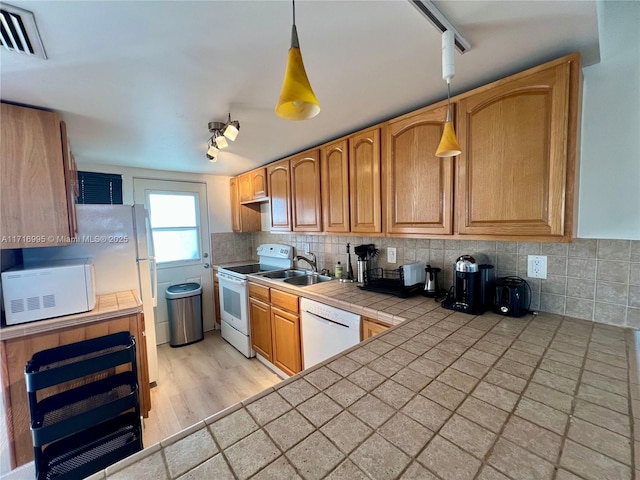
{"x": 118, "y": 239}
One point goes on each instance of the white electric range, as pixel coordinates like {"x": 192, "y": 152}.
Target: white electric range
{"x": 234, "y": 293}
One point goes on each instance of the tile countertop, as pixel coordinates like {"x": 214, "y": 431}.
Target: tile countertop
{"x": 108, "y": 306}
{"x": 443, "y": 395}
{"x": 348, "y": 296}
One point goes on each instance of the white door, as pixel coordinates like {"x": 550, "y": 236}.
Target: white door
{"x": 179, "y": 218}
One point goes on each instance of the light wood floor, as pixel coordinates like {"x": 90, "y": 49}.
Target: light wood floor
{"x": 198, "y": 380}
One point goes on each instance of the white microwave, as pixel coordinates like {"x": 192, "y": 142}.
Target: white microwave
{"x": 47, "y": 290}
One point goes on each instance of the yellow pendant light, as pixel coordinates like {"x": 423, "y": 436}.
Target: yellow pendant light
{"x": 449, "y": 146}
{"x": 297, "y": 100}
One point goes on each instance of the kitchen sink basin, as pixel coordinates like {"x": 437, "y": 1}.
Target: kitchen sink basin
{"x": 277, "y": 274}
{"x": 304, "y": 280}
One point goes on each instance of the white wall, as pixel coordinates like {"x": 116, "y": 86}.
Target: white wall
{"x": 217, "y": 189}
{"x": 609, "y": 198}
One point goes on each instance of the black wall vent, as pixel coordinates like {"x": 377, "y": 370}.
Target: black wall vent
{"x": 19, "y": 33}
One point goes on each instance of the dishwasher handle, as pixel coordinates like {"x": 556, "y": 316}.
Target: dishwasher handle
{"x": 325, "y": 319}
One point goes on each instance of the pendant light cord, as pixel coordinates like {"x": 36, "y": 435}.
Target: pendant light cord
{"x": 294, "y": 11}
{"x": 449, "y": 118}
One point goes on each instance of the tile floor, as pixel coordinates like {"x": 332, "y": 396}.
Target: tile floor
{"x": 446, "y": 396}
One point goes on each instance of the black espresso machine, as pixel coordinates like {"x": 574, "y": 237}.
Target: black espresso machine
{"x": 473, "y": 285}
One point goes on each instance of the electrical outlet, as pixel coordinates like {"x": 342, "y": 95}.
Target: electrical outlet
{"x": 537, "y": 266}
{"x": 391, "y": 255}
{"x": 306, "y": 248}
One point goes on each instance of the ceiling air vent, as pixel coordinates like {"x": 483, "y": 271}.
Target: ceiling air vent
{"x": 18, "y": 31}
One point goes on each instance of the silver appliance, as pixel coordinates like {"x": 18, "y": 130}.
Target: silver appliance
{"x": 118, "y": 240}
{"x": 326, "y": 331}
{"x": 234, "y": 293}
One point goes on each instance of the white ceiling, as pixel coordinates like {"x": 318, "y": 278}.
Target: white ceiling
{"x": 138, "y": 81}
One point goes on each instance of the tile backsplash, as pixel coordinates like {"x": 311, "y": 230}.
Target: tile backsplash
{"x": 592, "y": 279}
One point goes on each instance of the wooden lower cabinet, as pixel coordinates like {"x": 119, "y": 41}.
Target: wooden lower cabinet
{"x": 275, "y": 327}
{"x": 371, "y": 328}
{"x": 260, "y": 315}
{"x": 286, "y": 341}
{"x": 16, "y": 352}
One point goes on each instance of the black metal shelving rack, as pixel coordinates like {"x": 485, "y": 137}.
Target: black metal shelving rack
{"x": 92, "y": 423}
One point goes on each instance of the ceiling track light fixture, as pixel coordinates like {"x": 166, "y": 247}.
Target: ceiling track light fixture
{"x": 449, "y": 146}
{"x": 220, "y": 133}
{"x": 438, "y": 20}
{"x": 297, "y": 100}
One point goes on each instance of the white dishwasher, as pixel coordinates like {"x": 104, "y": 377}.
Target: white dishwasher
{"x": 326, "y": 331}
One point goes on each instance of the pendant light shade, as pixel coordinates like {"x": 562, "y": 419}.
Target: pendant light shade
{"x": 449, "y": 146}
{"x": 297, "y": 100}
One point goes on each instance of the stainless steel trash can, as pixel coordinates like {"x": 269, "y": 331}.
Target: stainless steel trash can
{"x": 184, "y": 304}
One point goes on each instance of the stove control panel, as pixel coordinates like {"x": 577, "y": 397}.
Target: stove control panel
{"x": 274, "y": 250}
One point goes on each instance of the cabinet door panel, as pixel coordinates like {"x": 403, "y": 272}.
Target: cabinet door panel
{"x": 235, "y": 205}
{"x": 305, "y": 192}
{"x": 419, "y": 184}
{"x": 512, "y": 171}
{"x": 335, "y": 187}
{"x": 33, "y": 194}
{"x": 279, "y": 187}
{"x": 259, "y": 184}
{"x": 286, "y": 341}
{"x": 260, "y": 319}
{"x": 371, "y": 328}
{"x": 245, "y": 187}
{"x": 364, "y": 182}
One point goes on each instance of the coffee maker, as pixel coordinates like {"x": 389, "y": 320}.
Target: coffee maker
{"x": 473, "y": 285}
{"x": 365, "y": 254}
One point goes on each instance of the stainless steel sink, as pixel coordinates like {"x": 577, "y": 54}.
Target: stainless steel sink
{"x": 304, "y": 280}
{"x": 277, "y": 274}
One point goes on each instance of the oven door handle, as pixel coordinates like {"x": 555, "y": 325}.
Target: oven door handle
{"x": 229, "y": 279}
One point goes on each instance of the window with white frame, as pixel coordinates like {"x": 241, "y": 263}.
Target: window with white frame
{"x": 174, "y": 226}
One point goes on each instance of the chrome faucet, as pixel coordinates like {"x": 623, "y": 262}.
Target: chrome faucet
{"x": 313, "y": 263}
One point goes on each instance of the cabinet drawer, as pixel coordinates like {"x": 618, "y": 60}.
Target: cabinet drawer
{"x": 284, "y": 300}
{"x": 259, "y": 291}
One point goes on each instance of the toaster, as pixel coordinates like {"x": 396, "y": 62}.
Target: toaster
{"x": 513, "y": 297}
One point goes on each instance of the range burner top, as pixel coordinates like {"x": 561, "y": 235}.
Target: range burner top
{"x": 245, "y": 269}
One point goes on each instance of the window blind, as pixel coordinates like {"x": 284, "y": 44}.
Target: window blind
{"x": 100, "y": 188}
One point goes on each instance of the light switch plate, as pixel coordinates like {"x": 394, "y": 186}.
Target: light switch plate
{"x": 391, "y": 255}
{"x": 537, "y": 266}
{"x": 306, "y": 248}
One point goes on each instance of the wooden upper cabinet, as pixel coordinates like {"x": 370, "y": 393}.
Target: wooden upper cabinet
{"x": 252, "y": 186}
{"x": 515, "y": 174}
{"x": 236, "y": 226}
{"x": 244, "y": 217}
{"x": 334, "y": 159}
{"x": 260, "y": 190}
{"x": 306, "y": 214}
{"x": 70, "y": 179}
{"x": 245, "y": 187}
{"x": 419, "y": 185}
{"x": 280, "y": 195}
{"x": 37, "y": 181}
{"x": 364, "y": 182}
